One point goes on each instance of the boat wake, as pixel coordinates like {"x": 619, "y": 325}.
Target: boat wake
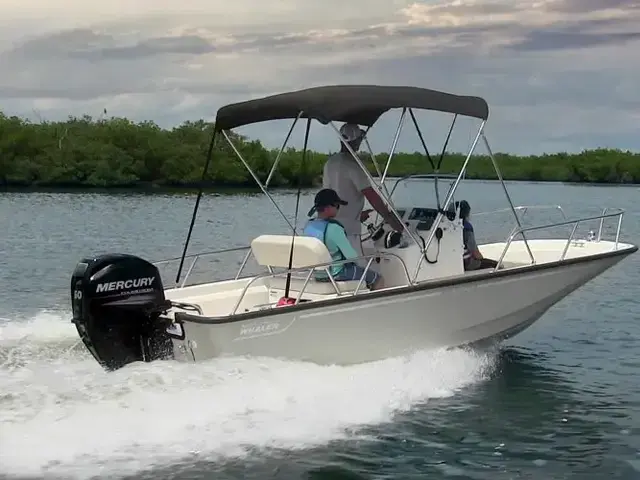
{"x": 62, "y": 415}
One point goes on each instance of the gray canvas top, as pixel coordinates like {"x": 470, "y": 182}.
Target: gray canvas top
{"x": 361, "y": 104}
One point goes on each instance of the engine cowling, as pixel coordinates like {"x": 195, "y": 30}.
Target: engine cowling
{"x": 117, "y": 302}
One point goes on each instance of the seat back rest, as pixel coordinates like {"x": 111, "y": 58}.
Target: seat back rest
{"x": 274, "y": 251}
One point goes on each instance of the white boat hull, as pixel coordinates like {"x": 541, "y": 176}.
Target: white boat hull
{"x": 448, "y": 312}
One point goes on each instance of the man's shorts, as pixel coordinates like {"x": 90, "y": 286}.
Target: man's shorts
{"x": 351, "y": 271}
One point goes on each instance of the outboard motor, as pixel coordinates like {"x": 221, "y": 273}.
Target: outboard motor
{"x": 117, "y": 303}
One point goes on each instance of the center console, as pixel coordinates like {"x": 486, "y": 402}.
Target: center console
{"x": 443, "y": 257}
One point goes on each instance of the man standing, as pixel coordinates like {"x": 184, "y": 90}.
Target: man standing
{"x": 343, "y": 174}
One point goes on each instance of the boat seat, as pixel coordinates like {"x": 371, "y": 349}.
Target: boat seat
{"x": 274, "y": 251}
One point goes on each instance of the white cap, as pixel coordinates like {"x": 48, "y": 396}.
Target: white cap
{"x": 351, "y": 132}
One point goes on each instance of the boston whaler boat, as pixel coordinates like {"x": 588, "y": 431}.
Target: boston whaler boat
{"x": 124, "y": 314}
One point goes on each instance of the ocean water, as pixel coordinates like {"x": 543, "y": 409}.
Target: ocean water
{"x": 559, "y": 401}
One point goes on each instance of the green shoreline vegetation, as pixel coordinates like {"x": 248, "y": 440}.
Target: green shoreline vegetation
{"x": 83, "y": 153}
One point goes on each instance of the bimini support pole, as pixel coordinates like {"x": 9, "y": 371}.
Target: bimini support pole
{"x": 394, "y": 144}
{"x": 255, "y": 177}
{"x": 506, "y": 192}
{"x": 295, "y": 222}
{"x": 374, "y": 160}
{"x": 373, "y": 156}
{"x": 195, "y": 207}
{"x": 284, "y": 144}
{"x": 444, "y": 149}
{"x": 450, "y": 193}
{"x": 373, "y": 183}
{"x": 426, "y": 151}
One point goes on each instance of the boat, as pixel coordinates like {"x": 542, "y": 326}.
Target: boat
{"x": 124, "y": 313}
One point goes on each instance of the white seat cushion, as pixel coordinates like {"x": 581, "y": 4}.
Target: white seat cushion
{"x": 315, "y": 287}
{"x": 275, "y": 251}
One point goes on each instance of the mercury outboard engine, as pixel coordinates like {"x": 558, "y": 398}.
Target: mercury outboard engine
{"x": 117, "y": 303}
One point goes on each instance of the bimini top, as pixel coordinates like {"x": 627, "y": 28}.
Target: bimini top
{"x": 361, "y": 104}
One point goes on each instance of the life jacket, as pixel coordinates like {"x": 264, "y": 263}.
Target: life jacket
{"x": 318, "y": 228}
{"x": 466, "y": 227}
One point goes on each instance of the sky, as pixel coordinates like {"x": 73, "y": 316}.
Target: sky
{"x": 558, "y": 75}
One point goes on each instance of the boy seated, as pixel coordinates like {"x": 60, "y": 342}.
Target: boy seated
{"x": 331, "y": 232}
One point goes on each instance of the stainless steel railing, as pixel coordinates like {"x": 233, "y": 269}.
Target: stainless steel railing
{"x": 197, "y": 256}
{"x": 604, "y": 212}
{"x": 575, "y": 224}
{"x": 524, "y": 209}
{"x": 323, "y": 266}
{"x": 514, "y": 232}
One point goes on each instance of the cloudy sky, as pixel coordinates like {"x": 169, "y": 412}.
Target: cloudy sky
{"x": 557, "y": 74}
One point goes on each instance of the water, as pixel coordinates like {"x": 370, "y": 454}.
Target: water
{"x": 560, "y": 401}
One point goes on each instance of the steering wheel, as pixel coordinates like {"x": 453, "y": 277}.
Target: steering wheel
{"x": 374, "y": 230}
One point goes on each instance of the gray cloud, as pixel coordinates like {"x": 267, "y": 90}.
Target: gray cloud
{"x": 558, "y": 40}
{"x": 91, "y": 45}
{"x": 490, "y": 7}
{"x": 56, "y": 45}
{"x": 185, "y": 45}
{"x": 505, "y": 80}
{"x": 86, "y": 44}
{"x": 583, "y": 6}
{"x": 90, "y": 90}
{"x": 562, "y": 97}
{"x": 497, "y": 7}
